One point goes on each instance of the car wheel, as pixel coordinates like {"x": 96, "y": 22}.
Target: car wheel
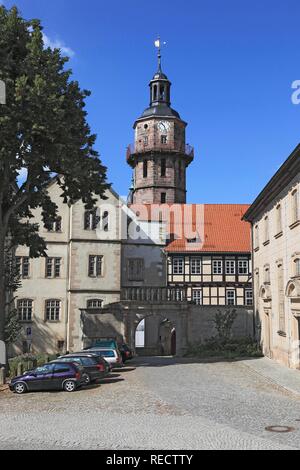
{"x": 69, "y": 386}
{"x": 20, "y": 388}
{"x": 87, "y": 379}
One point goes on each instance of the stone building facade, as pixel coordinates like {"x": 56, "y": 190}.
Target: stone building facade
{"x": 275, "y": 219}
{"x": 91, "y": 255}
{"x": 154, "y": 259}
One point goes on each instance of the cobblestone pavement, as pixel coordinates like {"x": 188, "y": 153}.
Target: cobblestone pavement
{"x": 157, "y": 403}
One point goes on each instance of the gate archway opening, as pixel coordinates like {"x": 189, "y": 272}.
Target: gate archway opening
{"x": 140, "y": 335}
{"x": 167, "y": 338}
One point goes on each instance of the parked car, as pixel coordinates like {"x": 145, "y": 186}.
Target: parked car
{"x": 107, "y": 343}
{"x": 51, "y": 376}
{"x": 112, "y": 356}
{"x": 94, "y": 366}
{"x": 125, "y": 351}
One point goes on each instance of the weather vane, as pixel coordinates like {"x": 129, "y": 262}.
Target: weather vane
{"x": 158, "y": 44}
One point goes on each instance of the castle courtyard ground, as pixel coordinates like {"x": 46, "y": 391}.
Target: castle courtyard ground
{"x": 162, "y": 403}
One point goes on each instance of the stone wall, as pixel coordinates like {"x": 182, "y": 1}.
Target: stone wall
{"x": 193, "y": 324}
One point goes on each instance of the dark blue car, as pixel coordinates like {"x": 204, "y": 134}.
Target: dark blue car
{"x": 58, "y": 376}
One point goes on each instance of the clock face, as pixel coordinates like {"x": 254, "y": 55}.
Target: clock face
{"x": 164, "y": 126}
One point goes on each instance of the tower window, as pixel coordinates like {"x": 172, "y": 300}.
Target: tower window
{"x": 162, "y": 92}
{"x": 163, "y": 167}
{"x": 164, "y": 139}
{"x": 155, "y": 93}
{"x": 145, "y": 140}
{"x": 145, "y": 169}
{"x": 163, "y": 198}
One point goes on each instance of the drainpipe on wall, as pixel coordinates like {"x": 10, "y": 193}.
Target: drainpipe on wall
{"x": 67, "y": 314}
{"x": 253, "y": 283}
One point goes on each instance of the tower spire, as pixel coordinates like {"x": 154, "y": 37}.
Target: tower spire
{"x": 157, "y": 45}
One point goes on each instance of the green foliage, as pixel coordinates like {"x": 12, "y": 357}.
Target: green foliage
{"x": 13, "y": 327}
{"x": 223, "y": 345}
{"x": 224, "y": 322}
{"x": 44, "y": 135}
{"x": 29, "y": 361}
{"x": 233, "y": 349}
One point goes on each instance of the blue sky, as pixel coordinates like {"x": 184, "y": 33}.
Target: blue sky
{"x": 231, "y": 63}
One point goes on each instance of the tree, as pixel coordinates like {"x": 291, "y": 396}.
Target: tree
{"x": 44, "y": 134}
{"x": 12, "y": 328}
{"x": 223, "y": 323}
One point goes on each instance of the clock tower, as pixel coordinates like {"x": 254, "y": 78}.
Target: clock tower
{"x": 159, "y": 156}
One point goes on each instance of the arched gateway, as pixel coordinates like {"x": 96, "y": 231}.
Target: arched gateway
{"x": 166, "y": 326}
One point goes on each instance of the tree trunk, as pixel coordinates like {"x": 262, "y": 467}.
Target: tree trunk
{"x": 2, "y": 285}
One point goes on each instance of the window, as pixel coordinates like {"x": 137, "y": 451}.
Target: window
{"x": 230, "y": 297}
{"x": 196, "y": 265}
{"x": 197, "y": 296}
{"x": 105, "y": 221}
{"x": 256, "y": 237}
{"x": 163, "y": 167}
{"x": 164, "y": 139}
{"x": 279, "y": 219}
{"x": 60, "y": 345}
{"x": 179, "y": 295}
{"x": 53, "y": 267}
{"x": 295, "y": 206}
{"x": 24, "y": 307}
{"x": 243, "y": 267}
{"x": 146, "y": 141}
{"x": 61, "y": 368}
{"x": 52, "y": 310}
{"x": 163, "y": 198}
{"x": 95, "y": 266}
{"x": 217, "y": 267}
{"x": 230, "y": 266}
{"x": 94, "y": 303}
{"x": 267, "y": 235}
{"x": 23, "y": 266}
{"x": 145, "y": 169}
{"x": 297, "y": 267}
{"x": 136, "y": 269}
{"x": 55, "y": 226}
{"x": 178, "y": 265}
{"x": 248, "y": 297}
{"x": 91, "y": 220}
{"x": 44, "y": 370}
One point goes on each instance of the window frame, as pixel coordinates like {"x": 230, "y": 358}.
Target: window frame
{"x": 95, "y": 266}
{"x": 199, "y": 300}
{"x": 54, "y": 310}
{"x": 53, "y": 265}
{"x": 217, "y": 267}
{"x": 175, "y": 266}
{"x": 228, "y": 291}
{"x": 230, "y": 271}
{"x": 240, "y": 269}
{"x": 196, "y": 261}
{"x": 28, "y": 317}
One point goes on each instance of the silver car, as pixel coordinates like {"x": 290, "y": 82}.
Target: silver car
{"x": 112, "y": 356}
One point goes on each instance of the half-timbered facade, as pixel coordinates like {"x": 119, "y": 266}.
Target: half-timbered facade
{"x": 214, "y": 267}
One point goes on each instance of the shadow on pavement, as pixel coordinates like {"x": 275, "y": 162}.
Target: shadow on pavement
{"x": 162, "y": 361}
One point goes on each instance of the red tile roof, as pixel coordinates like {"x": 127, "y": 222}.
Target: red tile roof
{"x": 201, "y": 227}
